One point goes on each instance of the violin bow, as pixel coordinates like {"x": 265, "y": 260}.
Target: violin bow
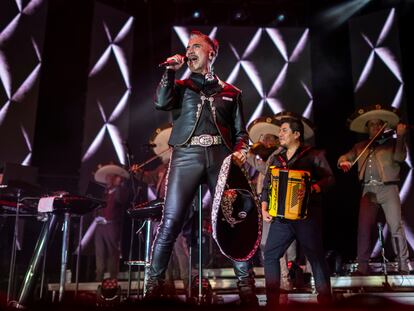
{"x": 369, "y": 144}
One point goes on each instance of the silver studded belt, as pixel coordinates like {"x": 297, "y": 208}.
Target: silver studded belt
{"x": 205, "y": 140}
{"x": 373, "y": 182}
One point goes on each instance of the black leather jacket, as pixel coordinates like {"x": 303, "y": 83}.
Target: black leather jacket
{"x": 183, "y": 99}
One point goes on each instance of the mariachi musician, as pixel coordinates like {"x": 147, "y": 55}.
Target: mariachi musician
{"x": 263, "y": 132}
{"x": 208, "y": 125}
{"x": 109, "y": 220}
{"x": 378, "y": 161}
{"x": 295, "y": 171}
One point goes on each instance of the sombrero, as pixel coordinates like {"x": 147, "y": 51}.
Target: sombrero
{"x": 236, "y": 217}
{"x": 262, "y": 126}
{"x": 308, "y": 126}
{"x": 160, "y": 138}
{"x": 358, "y": 120}
{"x": 102, "y": 172}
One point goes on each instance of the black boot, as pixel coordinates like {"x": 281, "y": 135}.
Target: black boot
{"x": 245, "y": 283}
{"x": 154, "y": 289}
{"x": 247, "y": 293}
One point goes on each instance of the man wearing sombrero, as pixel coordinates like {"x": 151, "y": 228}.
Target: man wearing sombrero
{"x": 109, "y": 227}
{"x": 379, "y": 173}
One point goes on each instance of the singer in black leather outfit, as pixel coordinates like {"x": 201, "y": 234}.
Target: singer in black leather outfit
{"x": 208, "y": 125}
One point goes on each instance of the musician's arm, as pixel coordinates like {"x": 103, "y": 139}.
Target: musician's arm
{"x": 265, "y": 199}
{"x": 256, "y": 162}
{"x": 148, "y": 177}
{"x": 166, "y": 96}
{"x": 400, "y": 152}
{"x": 349, "y": 156}
{"x": 325, "y": 178}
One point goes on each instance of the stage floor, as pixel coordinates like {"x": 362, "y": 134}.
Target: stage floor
{"x": 393, "y": 288}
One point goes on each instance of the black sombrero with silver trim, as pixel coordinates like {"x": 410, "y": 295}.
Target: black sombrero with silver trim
{"x": 236, "y": 217}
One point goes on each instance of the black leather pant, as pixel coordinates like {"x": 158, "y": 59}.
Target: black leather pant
{"x": 189, "y": 167}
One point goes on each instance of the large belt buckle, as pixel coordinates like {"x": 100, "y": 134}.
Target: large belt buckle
{"x": 205, "y": 140}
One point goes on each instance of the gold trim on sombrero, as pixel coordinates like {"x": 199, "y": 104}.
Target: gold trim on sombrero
{"x": 261, "y": 127}
{"x": 160, "y": 138}
{"x": 100, "y": 175}
{"x": 308, "y": 126}
{"x": 358, "y": 120}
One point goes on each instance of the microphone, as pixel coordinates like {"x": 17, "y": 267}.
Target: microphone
{"x": 171, "y": 62}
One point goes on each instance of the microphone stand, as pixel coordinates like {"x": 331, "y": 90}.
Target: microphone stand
{"x": 135, "y": 193}
{"x": 386, "y": 284}
{"x": 200, "y": 246}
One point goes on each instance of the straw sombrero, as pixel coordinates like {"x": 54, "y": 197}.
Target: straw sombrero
{"x": 262, "y": 126}
{"x": 357, "y": 121}
{"x": 160, "y": 139}
{"x": 102, "y": 172}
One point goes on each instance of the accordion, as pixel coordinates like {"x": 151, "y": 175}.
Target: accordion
{"x": 289, "y": 193}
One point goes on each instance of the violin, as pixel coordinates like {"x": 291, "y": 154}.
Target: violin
{"x": 262, "y": 150}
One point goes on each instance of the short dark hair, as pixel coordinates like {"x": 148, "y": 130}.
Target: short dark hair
{"x": 214, "y": 44}
{"x": 295, "y": 125}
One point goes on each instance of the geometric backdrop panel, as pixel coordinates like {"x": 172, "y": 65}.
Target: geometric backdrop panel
{"x": 22, "y": 29}
{"x": 376, "y": 59}
{"x": 106, "y": 119}
{"x": 270, "y": 65}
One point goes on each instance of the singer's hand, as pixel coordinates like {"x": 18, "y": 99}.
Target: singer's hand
{"x": 179, "y": 59}
{"x": 238, "y": 158}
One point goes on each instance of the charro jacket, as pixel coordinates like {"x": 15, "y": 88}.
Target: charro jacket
{"x": 185, "y": 99}
{"x": 387, "y": 155}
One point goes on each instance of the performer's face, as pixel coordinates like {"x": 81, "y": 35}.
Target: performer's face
{"x": 113, "y": 180}
{"x": 287, "y": 138}
{"x": 198, "y": 53}
{"x": 374, "y": 126}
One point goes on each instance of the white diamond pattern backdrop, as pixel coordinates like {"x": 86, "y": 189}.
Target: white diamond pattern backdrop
{"x": 272, "y": 67}
{"x": 22, "y": 29}
{"x": 109, "y": 90}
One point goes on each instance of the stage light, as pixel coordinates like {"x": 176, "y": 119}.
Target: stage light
{"x": 338, "y": 14}
{"x": 239, "y": 15}
{"x": 280, "y": 18}
{"x": 197, "y": 14}
{"x": 108, "y": 293}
